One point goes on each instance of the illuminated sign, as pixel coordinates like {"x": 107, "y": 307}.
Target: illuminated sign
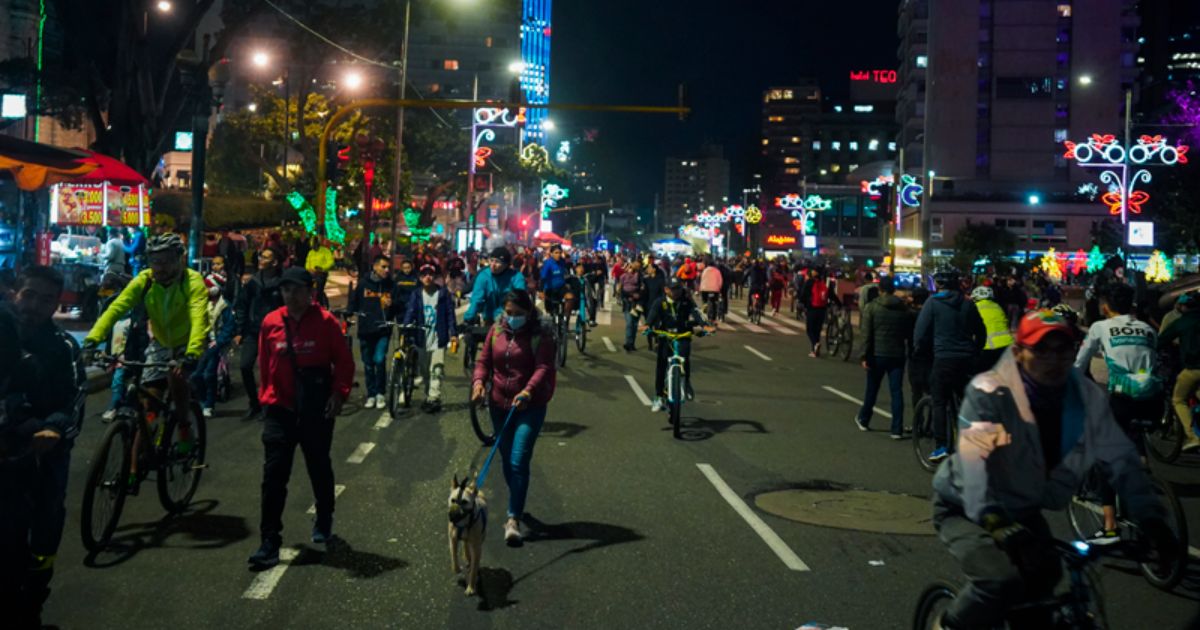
{"x": 564, "y": 151}
{"x": 183, "y": 141}
{"x": 12, "y": 106}
{"x": 781, "y": 239}
{"x": 1141, "y": 233}
{"x": 99, "y": 204}
{"x": 874, "y": 76}
{"x": 810, "y": 241}
{"x": 1104, "y": 152}
{"x": 551, "y": 195}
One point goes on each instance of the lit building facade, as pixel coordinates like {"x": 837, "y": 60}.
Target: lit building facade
{"x": 535, "y": 73}
{"x": 462, "y": 54}
{"x": 694, "y": 184}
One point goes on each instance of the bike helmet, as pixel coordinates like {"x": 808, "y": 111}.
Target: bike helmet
{"x": 164, "y": 243}
{"x": 944, "y": 278}
{"x": 1066, "y": 312}
{"x": 982, "y": 293}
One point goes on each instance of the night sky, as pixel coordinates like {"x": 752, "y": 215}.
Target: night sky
{"x": 637, "y": 52}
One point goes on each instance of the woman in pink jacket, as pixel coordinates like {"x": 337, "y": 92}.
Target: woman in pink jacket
{"x": 710, "y": 284}
{"x": 518, "y": 357}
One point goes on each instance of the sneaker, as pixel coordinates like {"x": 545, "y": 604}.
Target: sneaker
{"x": 369, "y": 403}
{"x": 512, "y": 533}
{"x": 689, "y": 393}
{"x": 1191, "y": 444}
{"x": 1104, "y": 537}
{"x": 896, "y": 436}
{"x": 208, "y": 412}
{"x": 381, "y": 401}
{"x": 938, "y": 454}
{"x": 812, "y": 355}
{"x": 862, "y": 426}
{"x": 322, "y": 530}
{"x": 266, "y": 557}
{"x": 658, "y": 405}
{"x": 109, "y": 415}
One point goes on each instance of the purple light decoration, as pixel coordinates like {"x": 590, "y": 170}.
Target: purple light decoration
{"x": 1187, "y": 112}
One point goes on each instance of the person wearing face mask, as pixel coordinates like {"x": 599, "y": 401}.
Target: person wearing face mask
{"x": 518, "y": 358}
{"x": 492, "y": 285}
{"x": 674, "y": 312}
{"x": 259, "y": 296}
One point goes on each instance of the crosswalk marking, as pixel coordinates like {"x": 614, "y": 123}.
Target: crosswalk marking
{"x": 746, "y": 323}
{"x": 338, "y": 489}
{"x": 266, "y": 581}
{"x": 360, "y": 454}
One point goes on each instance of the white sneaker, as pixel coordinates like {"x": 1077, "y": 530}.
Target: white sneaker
{"x": 512, "y": 533}
{"x": 381, "y": 401}
{"x": 109, "y": 414}
{"x": 369, "y": 403}
{"x": 208, "y": 412}
{"x": 658, "y": 405}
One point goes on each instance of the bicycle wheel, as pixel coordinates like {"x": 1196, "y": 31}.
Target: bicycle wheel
{"x": 104, "y": 495}
{"x": 1168, "y": 578}
{"x": 932, "y": 603}
{"x": 480, "y": 414}
{"x": 181, "y": 459}
{"x": 1164, "y": 441}
{"x": 561, "y": 340}
{"x": 394, "y": 386}
{"x": 923, "y": 439}
{"x": 1084, "y": 510}
{"x": 847, "y": 340}
{"x": 581, "y": 336}
{"x": 410, "y": 376}
{"x": 832, "y": 338}
{"x": 674, "y": 399}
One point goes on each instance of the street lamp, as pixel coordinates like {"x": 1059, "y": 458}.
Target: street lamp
{"x": 1085, "y": 79}
{"x": 253, "y": 107}
{"x": 353, "y": 80}
{"x": 516, "y": 67}
{"x": 163, "y": 6}
{"x": 260, "y": 59}
{"x": 548, "y": 125}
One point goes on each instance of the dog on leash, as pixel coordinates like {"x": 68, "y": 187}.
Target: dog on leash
{"x": 468, "y": 523}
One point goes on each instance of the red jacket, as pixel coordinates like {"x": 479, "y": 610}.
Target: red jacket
{"x": 514, "y": 365}
{"x": 318, "y": 341}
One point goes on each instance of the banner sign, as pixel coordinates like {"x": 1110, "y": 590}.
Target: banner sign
{"x": 99, "y": 204}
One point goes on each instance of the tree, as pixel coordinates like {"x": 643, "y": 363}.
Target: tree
{"x": 1175, "y": 196}
{"x": 1108, "y": 234}
{"x": 976, "y": 241}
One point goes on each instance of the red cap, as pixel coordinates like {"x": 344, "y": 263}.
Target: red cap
{"x": 1035, "y": 325}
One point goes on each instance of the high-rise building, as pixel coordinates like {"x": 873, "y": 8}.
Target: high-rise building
{"x": 1005, "y": 84}
{"x": 1169, "y": 56}
{"x": 694, "y": 184}
{"x": 788, "y": 117}
{"x": 535, "y": 72}
{"x": 462, "y": 54}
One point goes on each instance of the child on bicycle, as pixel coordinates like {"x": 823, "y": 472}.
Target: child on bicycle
{"x": 674, "y": 312}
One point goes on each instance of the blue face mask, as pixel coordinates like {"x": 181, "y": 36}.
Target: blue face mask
{"x": 517, "y": 322}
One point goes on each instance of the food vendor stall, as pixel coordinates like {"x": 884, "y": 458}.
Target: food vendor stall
{"x": 31, "y": 167}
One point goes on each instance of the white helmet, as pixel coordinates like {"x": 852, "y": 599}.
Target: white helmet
{"x": 982, "y": 293}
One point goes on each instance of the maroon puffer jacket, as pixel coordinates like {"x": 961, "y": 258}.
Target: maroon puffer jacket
{"x": 515, "y": 365}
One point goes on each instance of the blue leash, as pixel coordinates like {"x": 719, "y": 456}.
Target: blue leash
{"x": 488, "y": 462}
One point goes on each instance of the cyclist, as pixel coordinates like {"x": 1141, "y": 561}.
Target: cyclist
{"x": 575, "y": 294}
{"x": 711, "y": 285}
{"x": 951, "y": 326}
{"x": 1129, "y": 346}
{"x": 995, "y": 322}
{"x": 552, "y": 279}
{"x": 1186, "y": 328}
{"x": 597, "y": 276}
{"x": 175, "y": 299}
{"x": 674, "y": 312}
{"x": 1031, "y": 429}
{"x": 491, "y": 285}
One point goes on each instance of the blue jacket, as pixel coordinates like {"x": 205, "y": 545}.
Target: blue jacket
{"x": 554, "y": 274}
{"x": 950, "y": 326}
{"x": 487, "y": 294}
{"x": 445, "y": 326}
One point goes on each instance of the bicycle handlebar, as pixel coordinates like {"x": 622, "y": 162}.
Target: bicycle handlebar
{"x": 111, "y": 359}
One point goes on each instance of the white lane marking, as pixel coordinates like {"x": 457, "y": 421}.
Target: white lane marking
{"x": 764, "y": 531}
{"x": 385, "y": 421}
{"x": 775, "y": 320}
{"x": 780, "y": 329}
{"x": 745, "y": 322}
{"x": 637, "y": 389}
{"x": 266, "y": 581}
{"x": 759, "y": 354}
{"x": 726, "y": 326}
{"x": 337, "y": 492}
{"x": 609, "y": 344}
{"x": 853, "y": 400}
{"x": 1193, "y": 552}
{"x": 360, "y": 453}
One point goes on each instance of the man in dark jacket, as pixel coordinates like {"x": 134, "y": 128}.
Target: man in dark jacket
{"x": 432, "y": 308}
{"x": 674, "y": 312}
{"x": 950, "y": 324}
{"x": 259, "y": 296}
{"x": 371, "y": 303}
{"x": 406, "y": 282}
{"x": 887, "y": 326}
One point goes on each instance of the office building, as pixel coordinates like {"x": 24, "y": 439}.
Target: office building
{"x": 694, "y": 184}
{"x": 1169, "y": 54}
{"x": 463, "y": 53}
{"x": 535, "y": 70}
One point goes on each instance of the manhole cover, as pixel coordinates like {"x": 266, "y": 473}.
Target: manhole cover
{"x": 861, "y": 510}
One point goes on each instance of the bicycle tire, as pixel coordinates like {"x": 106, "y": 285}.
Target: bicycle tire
{"x": 1164, "y": 441}
{"x": 104, "y": 476}
{"x": 394, "y": 387}
{"x": 1084, "y": 511}
{"x": 832, "y": 340}
{"x": 561, "y": 339}
{"x": 482, "y": 413}
{"x": 847, "y": 339}
{"x": 1178, "y": 523}
{"x": 409, "y": 382}
{"x": 178, "y": 473}
{"x": 934, "y": 600}
{"x": 581, "y": 337}
{"x": 470, "y": 350}
{"x": 923, "y": 439}
{"x": 674, "y": 400}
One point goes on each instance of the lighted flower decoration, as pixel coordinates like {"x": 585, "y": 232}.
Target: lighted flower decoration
{"x": 753, "y": 215}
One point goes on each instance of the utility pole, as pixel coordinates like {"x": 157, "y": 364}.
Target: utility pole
{"x": 398, "y": 176}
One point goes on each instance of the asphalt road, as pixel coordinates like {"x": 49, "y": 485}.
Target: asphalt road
{"x": 629, "y": 526}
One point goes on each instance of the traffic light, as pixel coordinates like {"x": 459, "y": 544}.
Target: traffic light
{"x": 524, "y": 222}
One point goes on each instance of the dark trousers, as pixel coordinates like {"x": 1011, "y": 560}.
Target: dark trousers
{"x": 17, "y": 482}
{"x": 918, "y": 378}
{"x": 283, "y": 430}
{"x": 879, "y": 368}
{"x": 248, "y": 360}
{"x": 660, "y": 367}
{"x": 204, "y": 379}
{"x": 1125, "y": 411}
{"x": 997, "y": 579}
{"x": 814, "y": 321}
{"x": 948, "y": 379}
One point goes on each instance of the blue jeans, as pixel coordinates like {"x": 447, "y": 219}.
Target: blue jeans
{"x": 893, "y": 368}
{"x": 117, "y": 387}
{"x": 204, "y": 379}
{"x": 516, "y": 451}
{"x": 373, "y": 352}
{"x": 631, "y": 325}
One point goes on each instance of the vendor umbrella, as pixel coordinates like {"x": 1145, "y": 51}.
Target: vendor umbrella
{"x": 551, "y": 237}
{"x": 112, "y": 171}
{"x": 36, "y": 166}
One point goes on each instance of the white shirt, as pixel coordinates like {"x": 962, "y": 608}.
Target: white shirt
{"x": 429, "y": 301}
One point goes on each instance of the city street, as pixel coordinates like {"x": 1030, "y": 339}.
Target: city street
{"x": 629, "y": 527}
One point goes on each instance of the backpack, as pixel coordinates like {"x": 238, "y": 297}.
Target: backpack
{"x": 820, "y": 295}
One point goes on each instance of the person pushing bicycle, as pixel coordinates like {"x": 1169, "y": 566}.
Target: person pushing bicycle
{"x": 676, "y": 313}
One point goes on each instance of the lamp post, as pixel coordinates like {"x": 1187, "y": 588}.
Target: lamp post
{"x": 369, "y": 149}
{"x": 397, "y": 176}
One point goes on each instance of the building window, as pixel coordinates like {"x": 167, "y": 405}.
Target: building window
{"x": 864, "y": 109}
{"x": 791, "y": 160}
{"x": 795, "y": 139}
{"x": 1064, "y": 10}
{"x": 435, "y": 88}
{"x": 766, "y": 142}
{"x": 816, "y": 145}
{"x": 780, "y": 95}
{"x": 922, "y": 61}
{"x": 1064, "y": 35}
{"x": 835, "y": 168}
{"x": 935, "y": 229}
{"x": 1060, "y": 135}
{"x": 835, "y": 145}
{"x": 892, "y": 146}
{"x": 853, "y": 146}
{"x": 450, "y": 64}
{"x": 792, "y": 171}
{"x": 873, "y": 145}
{"x": 1024, "y": 87}
{"x": 775, "y": 118}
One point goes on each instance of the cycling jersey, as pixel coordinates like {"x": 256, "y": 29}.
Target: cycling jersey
{"x": 487, "y": 295}
{"x": 178, "y": 314}
{"x": 1128, "y": 345}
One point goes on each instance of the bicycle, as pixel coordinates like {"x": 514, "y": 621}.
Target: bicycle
{"x": 712, "y": 306}
{"x": 924, "y": 439}
{"x": 755, "y": 312}
{"x": 1080, "y": 606}
{"x": 1164, "y": 437}
{"x": 581, "y": 331}
{"x": 1086, "y": 517}
{"x": 676, "y": 377}
{"x": 560, "y": 318}
{"x": 178, "y": 463}
{"x": 839, "y": 334}
{"x": 402, "y": 377}
{"x": 224, "y": 377}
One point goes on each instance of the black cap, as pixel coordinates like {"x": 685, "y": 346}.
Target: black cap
{"x": 296, "y": 275}
{"x": 502, "y": 254}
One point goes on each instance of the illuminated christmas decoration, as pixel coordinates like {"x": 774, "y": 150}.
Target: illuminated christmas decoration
{"x": 1089, "y": 190}
{"x": 308, "y": 216}
{"x": 910, "y": 191}
{"x": 1158, "y": 268}
{"x": 711, "y": 220}
{"x": 412, "y": 219}
{"x": 481, "y": 156}
{"x": 753, "y": 215}
{"x": 871, "y": 188}
{"x": 791, "y": 201}
{"x": 534, "y": 157}
{"x": 564, "y": 151}
{"x": 1079, "y": 262}
{"x": 1095, "y": 260}
{"x": 1051, "y": 266}
{"x": 1187, "y": 111}
{"x": 534, "y": 76}
{"x": 1103, "y": 151}
{"x": 551, "y": 195}
{"x": 333, "y": 231}
{"x": 494, "y": 117}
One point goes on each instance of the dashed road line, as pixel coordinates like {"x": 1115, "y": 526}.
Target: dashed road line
{"x": 385, "y": 421}
{"x": 745, "y": 322}
{"x": 360, "y": 454}
{"x": 764, "y": 531}
{"x": 758, "y": 354}
{"x": 852, "y": 399}
{"x": 637, "y": 389}
{"x": 266, "y": 581}
{"x": 338, "y": 489}
{"x": 609, "y": 344}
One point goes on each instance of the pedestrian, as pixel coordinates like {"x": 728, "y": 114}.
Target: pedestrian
{"x": 432, "y": 308}
{"x": 887, "y": 327}
{"x": 630, "y": 284}
{"x": 517, "y": 357}
{"x": 777, "y": 282}
{"x": 204, "y": 379}
{"x": 259, "y": 296}
{"x": 318, "y": 260}
{"x": 816, "y": 297}
{"x": 371, "y": 304}
{"x": 307, "y": 372}
{"x": 113, "y": 257}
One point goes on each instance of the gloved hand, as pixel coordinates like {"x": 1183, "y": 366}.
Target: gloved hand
{"x": 1008, "y": 535}
{"x": 1163, "y": 543}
